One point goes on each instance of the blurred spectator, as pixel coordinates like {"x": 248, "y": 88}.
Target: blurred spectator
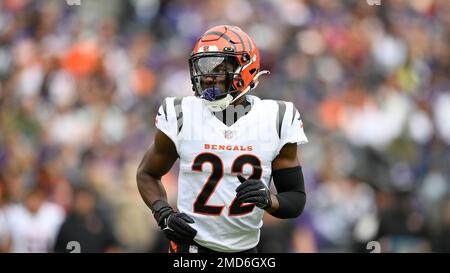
{"x": 85, "y": 225}
{"x": 134, "y": 224}
{"x": 441, "y": 242}
{"x": 4, "y": 232}
{"x": 336, "y": 209}
{"x": 33, "y": 225}
{"x": 402, "y": 227}
{"x": 276, "y": 235}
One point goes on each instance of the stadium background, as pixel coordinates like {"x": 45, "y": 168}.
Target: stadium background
{"x": 80, "y": 86}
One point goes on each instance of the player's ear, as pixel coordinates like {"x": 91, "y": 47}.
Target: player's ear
{"x": 241, "y": 178}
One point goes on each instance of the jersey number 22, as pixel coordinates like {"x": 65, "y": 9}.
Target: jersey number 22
{"x": 236, "y": 207}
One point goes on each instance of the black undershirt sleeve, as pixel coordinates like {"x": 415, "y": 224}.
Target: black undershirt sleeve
{"x": 291, "y": 195}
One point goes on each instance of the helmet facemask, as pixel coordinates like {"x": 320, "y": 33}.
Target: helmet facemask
{"x": 213, "y": 77}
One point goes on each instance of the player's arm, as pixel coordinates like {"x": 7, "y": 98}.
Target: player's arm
{"x": 288, "y": 179}
{"x": 287, "y": 175}
{"x": 286, "y": 172}
{"x": 157, "y": 162}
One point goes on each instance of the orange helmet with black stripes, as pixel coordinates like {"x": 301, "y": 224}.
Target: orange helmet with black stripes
{"x": 224, "y": 65}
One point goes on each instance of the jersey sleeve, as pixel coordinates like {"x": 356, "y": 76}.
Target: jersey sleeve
{"x": 291, "y": 130}
{"x": 166, "y": 119}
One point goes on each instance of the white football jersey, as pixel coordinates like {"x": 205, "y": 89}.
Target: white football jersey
{"x": 212, "y": 154}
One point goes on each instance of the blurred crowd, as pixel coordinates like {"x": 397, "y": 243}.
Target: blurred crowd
{"x": 80, "y": 86}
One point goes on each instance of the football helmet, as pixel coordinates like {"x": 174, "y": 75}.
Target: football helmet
{"x": 224, "y": 65}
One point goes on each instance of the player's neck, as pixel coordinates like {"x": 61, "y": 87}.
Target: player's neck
{"x": 235, "y": 111}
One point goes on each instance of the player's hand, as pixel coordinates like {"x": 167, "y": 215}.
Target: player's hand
{"x": 253, "y": 191}
{"x": 175, "y": 225}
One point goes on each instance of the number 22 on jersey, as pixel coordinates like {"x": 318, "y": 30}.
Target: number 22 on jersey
{"x": 236, "y": 207}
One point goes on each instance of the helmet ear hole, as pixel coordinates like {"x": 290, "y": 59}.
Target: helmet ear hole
{"x": 245, "y": 57}
{"x": 252, "y": 71}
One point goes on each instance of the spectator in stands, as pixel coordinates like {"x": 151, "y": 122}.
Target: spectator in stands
{"x": 86, "y": 226}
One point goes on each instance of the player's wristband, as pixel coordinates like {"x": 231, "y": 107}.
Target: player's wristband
{"x": 161, "y": 209}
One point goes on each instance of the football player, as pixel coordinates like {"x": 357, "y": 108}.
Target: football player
{"x": 230, "y": 144}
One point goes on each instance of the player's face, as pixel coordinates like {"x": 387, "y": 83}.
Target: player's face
{"x": 215, "y": 73}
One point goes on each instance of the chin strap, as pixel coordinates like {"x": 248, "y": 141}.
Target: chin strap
{"x": 222, "y": 104}
{"x": 219, "y": 105}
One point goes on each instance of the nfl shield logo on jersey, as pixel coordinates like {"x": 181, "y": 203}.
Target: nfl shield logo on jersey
{"x": 228, "y": 134}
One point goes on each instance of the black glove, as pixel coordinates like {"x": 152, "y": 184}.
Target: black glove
{"x": 253, "y": 191}
{"x": 173, "y": 224}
